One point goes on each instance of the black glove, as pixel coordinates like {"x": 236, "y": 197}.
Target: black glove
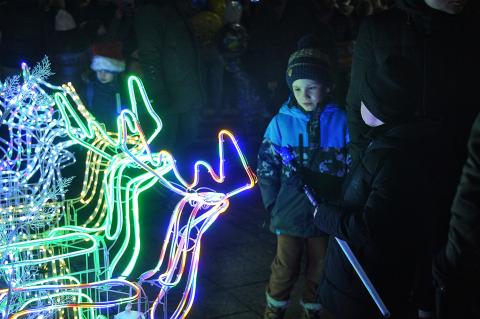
{"x": 326, "y": 186}
{"x": 327, "y": 216}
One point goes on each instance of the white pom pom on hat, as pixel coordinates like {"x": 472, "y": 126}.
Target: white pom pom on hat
{"x": 64, "y": 21}
{"x": 107, "y": 56}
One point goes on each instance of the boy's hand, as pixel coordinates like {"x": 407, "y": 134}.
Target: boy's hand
{"x": 287, "y": 155}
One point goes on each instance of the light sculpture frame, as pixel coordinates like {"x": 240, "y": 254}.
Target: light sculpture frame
{"x": 109, "y": 155}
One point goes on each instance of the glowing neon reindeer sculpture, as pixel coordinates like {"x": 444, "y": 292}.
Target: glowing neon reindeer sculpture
{"x": 129, "y": 148}
{"x": 36, "y": 257}
{"x": 41, "y": 243}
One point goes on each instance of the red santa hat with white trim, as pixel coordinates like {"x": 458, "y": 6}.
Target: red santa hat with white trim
{"x": 107, "y": 56}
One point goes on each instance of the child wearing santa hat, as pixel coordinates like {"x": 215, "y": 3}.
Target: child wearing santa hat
{"x": 103, "y": 91}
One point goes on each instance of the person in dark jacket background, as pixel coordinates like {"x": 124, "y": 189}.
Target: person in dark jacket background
{"x": 171, "y": 72}
{"x": 67, "y": 45}
{"x": 383, "y": 211}
{"x": 456, "y": 268}
{"x": 316, "y": 131}
{"x": 170, "y": 61}
{"x": 436, "y": 37}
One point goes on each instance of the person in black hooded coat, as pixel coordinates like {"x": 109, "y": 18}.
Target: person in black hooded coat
{"x": 439, "y": 44}
{"x": 383, "y": 214}
{"x": 436, "y": 37}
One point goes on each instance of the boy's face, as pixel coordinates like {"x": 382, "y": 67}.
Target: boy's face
{"x": 448, "y": 6}
{"x": 368, "y": 117}
{"x": 308, "y": 93}
{"x": 105, "y": 76}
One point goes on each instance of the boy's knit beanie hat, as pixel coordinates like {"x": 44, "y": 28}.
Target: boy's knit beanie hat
{"x": 392, "y": 90}
{"x": 107, "y": 56}
{"x": 310, "y": 62}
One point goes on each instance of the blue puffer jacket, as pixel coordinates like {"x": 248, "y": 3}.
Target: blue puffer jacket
{"x": 291, "y": 212}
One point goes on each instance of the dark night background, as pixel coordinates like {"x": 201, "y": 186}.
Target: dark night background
{"x": 241, "y": 61}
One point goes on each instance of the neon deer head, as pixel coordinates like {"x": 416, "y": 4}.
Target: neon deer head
{"x": 181, "y": 250}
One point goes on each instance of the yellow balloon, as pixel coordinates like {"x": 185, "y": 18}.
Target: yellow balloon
{"x": 217, "y": 6}
{"x": 206, "y": 24}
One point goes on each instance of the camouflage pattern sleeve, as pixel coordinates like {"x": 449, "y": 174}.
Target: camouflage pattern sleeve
{"x": 269, "y": 169}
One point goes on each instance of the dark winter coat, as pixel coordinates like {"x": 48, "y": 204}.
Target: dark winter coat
{"x": 101, "y": 100}
{"x": 463, "y": 247}
{"x": 456, "y": 268}
{"x": 291, "y": 212}
{"x": 169, "y": 58}
{"x": 438, "y": 44}
{"x": 383, "y": 216}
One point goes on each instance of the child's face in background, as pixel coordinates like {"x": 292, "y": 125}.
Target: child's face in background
{"x": 308, "y": 93}
{"x": 105, "y": 76}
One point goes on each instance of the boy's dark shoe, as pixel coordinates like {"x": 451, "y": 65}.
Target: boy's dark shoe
{"x": 312, "y": 314}
{"x": 274, "y": 313}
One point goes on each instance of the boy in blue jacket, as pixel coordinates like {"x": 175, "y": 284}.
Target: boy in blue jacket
{"x": 316, "y": 131}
